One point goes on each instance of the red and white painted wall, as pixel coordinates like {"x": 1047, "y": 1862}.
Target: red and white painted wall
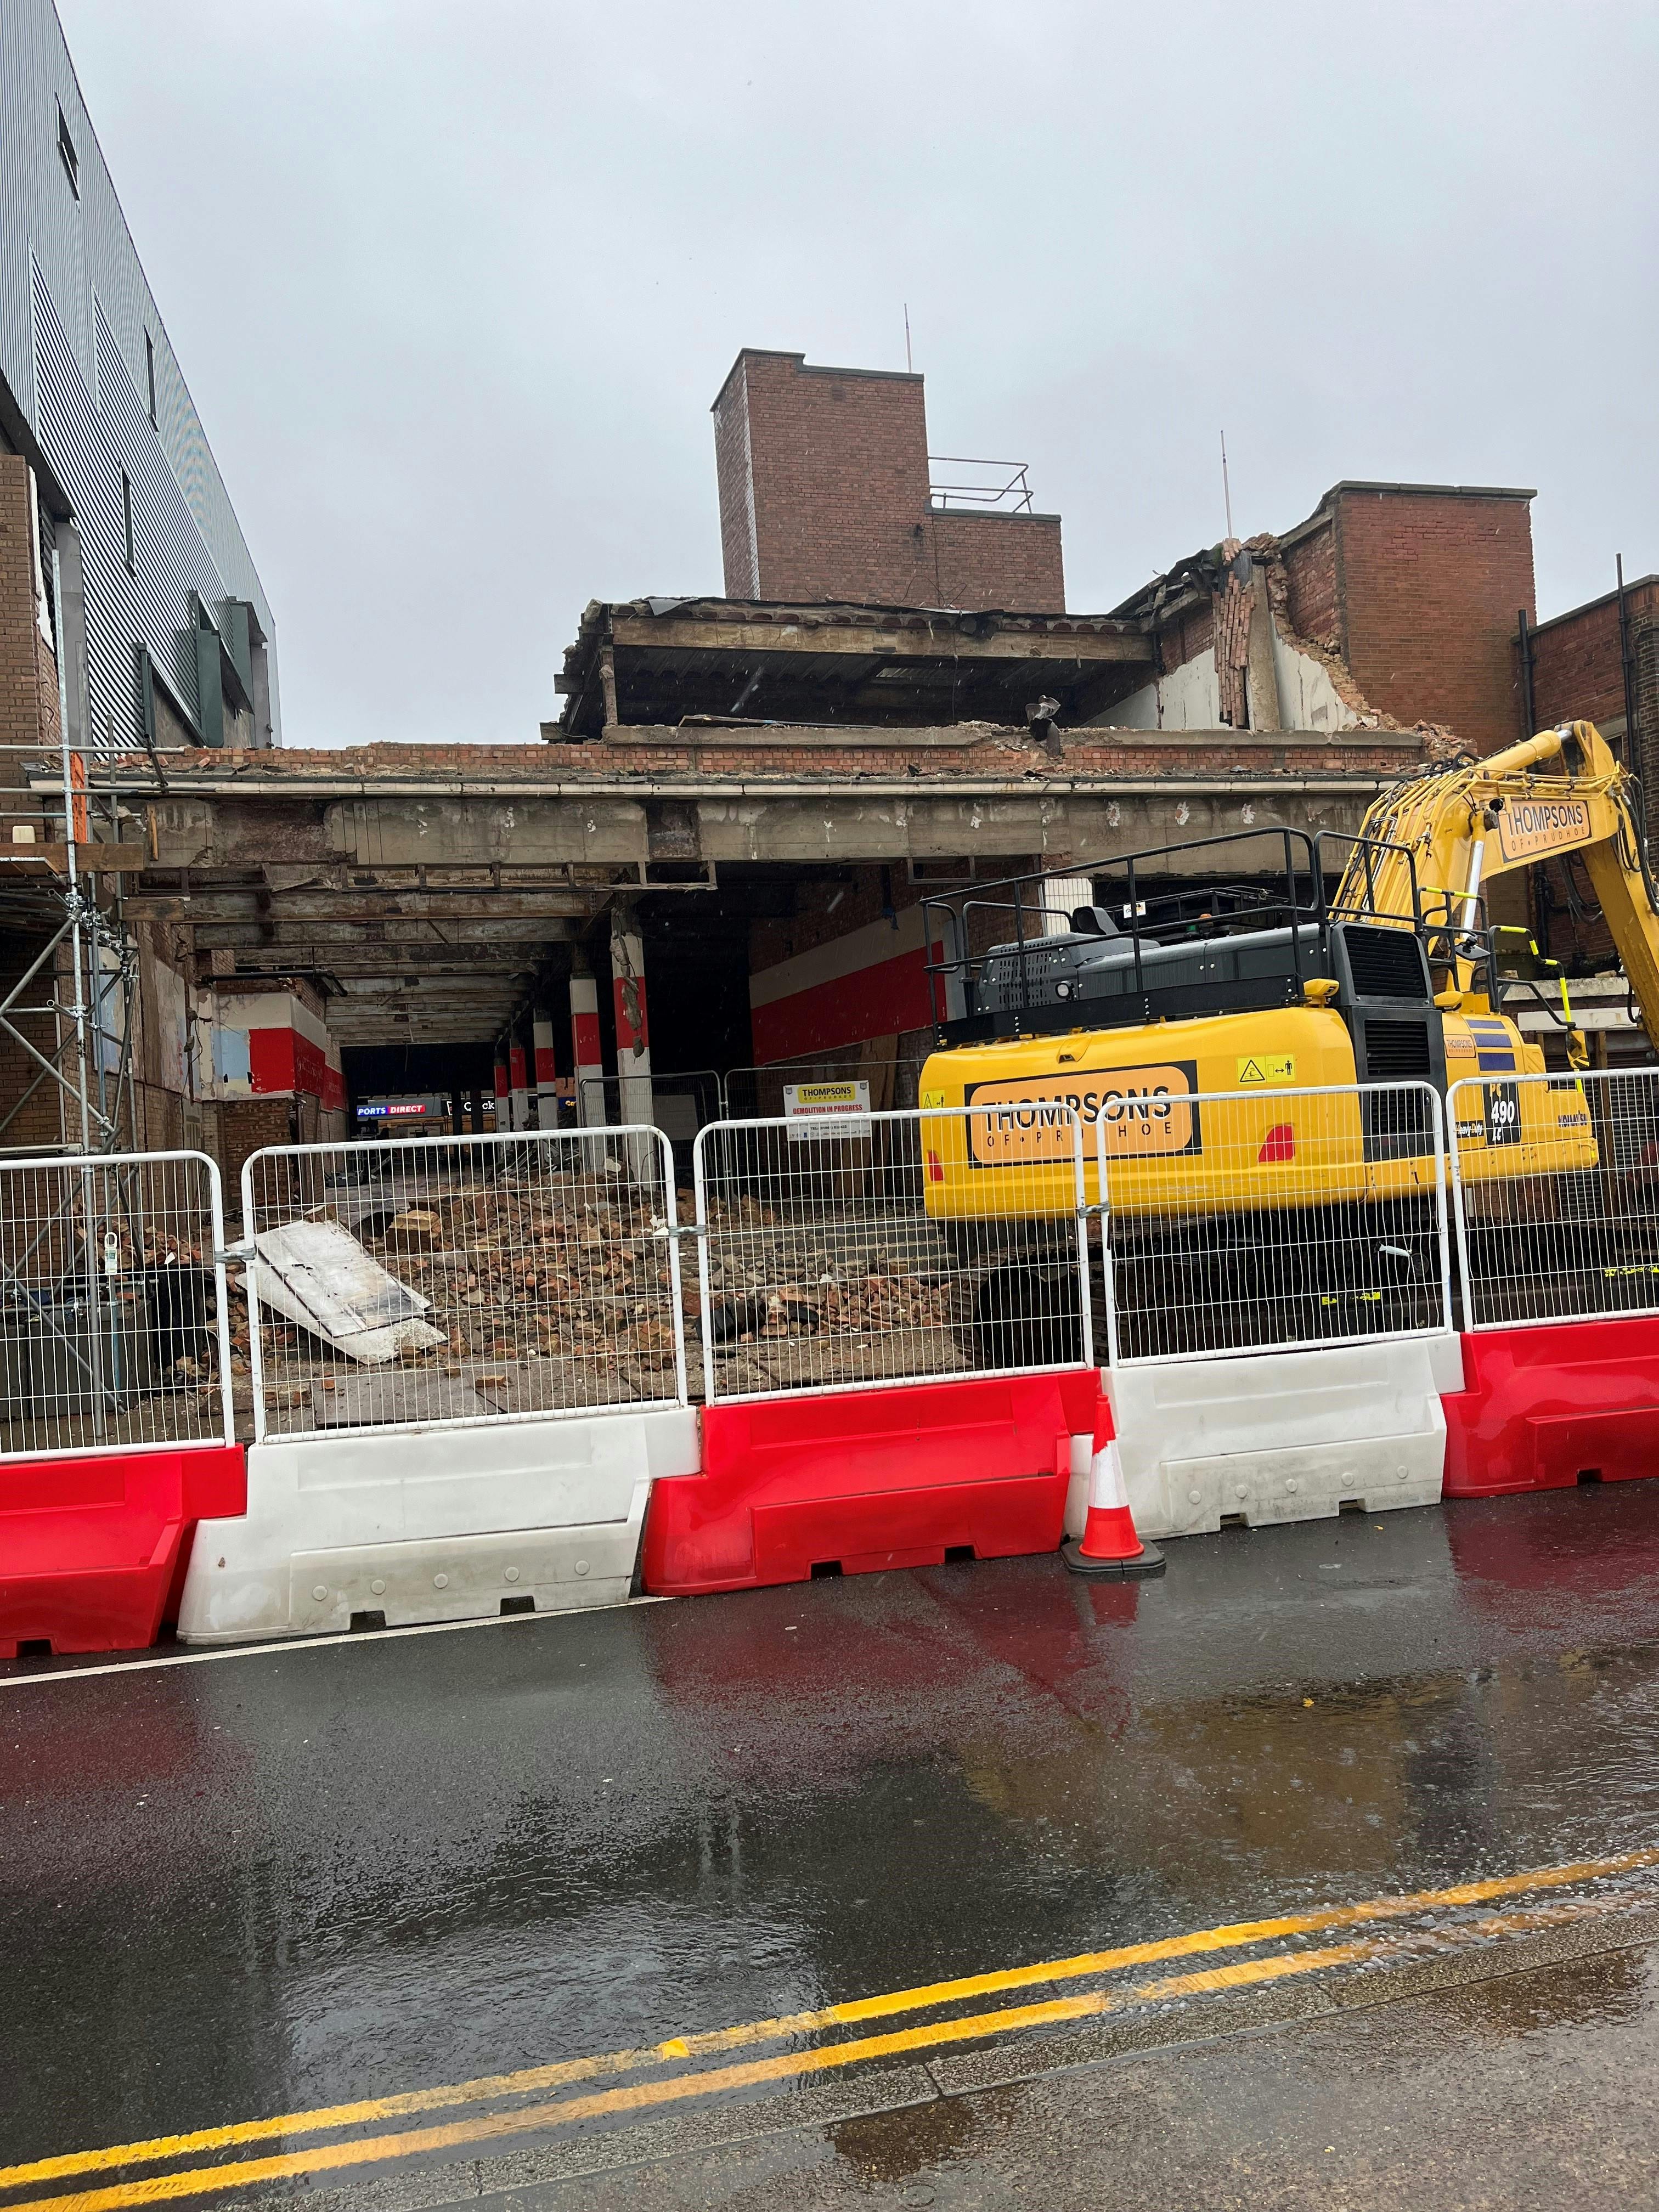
{"x": 268, "y": 1044}
{"x": 869, "y": 981}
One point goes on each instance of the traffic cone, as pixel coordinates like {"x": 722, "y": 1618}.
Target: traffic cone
{"x": 1109, "y": 1545}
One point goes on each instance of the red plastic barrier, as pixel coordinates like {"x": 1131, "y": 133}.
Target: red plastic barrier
{"x": 1543, "y": 1406}
{"x": 92, "y": 1549}
{"x": 867, "y": 1480}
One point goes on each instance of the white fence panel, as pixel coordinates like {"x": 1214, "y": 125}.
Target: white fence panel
{"x": 114, "y": 1322}
{"x": 450, "y": 1281}
{"x": 898, "y": 1247}
{"x": 1273, "y": 1220}
{"x": 1555, "y": 1183}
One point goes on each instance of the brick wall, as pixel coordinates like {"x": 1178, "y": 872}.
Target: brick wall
{"x": 1578, "y": 676}
{"x": 39, "y": 1121}
{"x": 1429, "y": 583}
{"x": 1577, "y": 672}
{"x": 838, "y": 476}
{"x": 1186, "y": 633}
{"x": 824, "y": 492}
{"x": 1310, "y": 599}
{"x": 28, "y": 717}
{"x": 28, "y": 672}
{"x": 1002, "y": 755}
{"x": 246, "y": 1124}
{"x": 739, "y": 555}
{"x": 983, "y": 751}
{"x": 1010, "y": 561}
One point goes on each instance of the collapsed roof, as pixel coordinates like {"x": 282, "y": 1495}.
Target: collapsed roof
{"x": 657, "y": 661}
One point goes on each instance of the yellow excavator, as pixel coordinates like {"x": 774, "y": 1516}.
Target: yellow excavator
{"x": 1205, "y": 1034}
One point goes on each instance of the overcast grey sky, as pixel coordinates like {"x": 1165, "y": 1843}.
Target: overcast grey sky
{"x": 455, "y": 285}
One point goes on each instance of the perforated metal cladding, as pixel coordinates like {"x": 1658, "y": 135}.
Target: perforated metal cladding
{"x": 78, "y": 256}
{"x": 90, "y": 445}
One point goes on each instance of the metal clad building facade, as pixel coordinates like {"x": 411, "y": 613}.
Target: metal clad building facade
{"x": 80, "y": 340}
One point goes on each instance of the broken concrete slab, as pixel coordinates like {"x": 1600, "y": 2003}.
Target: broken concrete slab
{"x": 316, "y": 1274}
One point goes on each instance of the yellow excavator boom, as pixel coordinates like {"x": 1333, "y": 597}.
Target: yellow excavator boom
{"x": 1453, "y": 829}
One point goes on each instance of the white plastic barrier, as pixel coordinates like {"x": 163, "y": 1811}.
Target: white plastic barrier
{"x": 431, "y": 1525}
{"x": 469, "y": 1367}
{"x": 1284, "y": 1435}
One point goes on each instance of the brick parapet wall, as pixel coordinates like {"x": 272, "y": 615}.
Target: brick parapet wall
{"x": 838, "y": 465}
{"x": 1578, "y": 670}
{"x": 1309, "y": 561}
{"x": 1008, "y": 561}
{"x": 739, "y": 554}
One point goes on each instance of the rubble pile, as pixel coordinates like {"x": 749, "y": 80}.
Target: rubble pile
{"x": 857, "y": 1275}
{"x": 554, "y": 1292}
{"x": 560, "y": 1268}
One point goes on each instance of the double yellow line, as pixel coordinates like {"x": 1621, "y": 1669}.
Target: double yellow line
{"x": 529, "y": 2081}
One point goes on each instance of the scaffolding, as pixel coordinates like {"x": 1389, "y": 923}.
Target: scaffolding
{"x": 79, "y": 987}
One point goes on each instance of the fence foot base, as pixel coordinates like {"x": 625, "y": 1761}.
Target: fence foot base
{"x": 1149, "y": 1560}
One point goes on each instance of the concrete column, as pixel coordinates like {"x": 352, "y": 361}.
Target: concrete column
{"x": 586, "y": 1050}
{"x": 518, "y": 1076}
{"x": 1260, "y": 674}
{"x": 544, "y": 1073}
{"x": 633, "y": 1026}
{"x": 503, "y": 1096}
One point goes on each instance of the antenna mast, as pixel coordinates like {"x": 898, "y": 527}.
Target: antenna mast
{"x": 1226, "y": 489}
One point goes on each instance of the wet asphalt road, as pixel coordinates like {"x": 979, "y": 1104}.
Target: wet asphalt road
{"x": 290, "y": 1879}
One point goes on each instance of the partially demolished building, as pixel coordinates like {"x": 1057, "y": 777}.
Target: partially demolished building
{"x": 706, "y": 878}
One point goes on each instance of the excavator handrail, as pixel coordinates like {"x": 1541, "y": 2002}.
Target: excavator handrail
{"x": 945, "y": 913}
{"x": 1369, "y": 846}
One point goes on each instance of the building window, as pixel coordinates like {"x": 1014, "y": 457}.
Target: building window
{"x": 66, "y": 153}
{"x": 126, "y": 514}
{"x": 149, "y": 371}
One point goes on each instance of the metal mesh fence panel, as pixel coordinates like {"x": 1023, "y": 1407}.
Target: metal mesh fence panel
{"x": 114, "y": 1333}
{"x": 462, "y": 1280}
{"x": 1273, "y": 1220}
{"x": 751, "y": 1093}
{"x": 893, "y": 1247}
{"x": 1556, "y": 1186}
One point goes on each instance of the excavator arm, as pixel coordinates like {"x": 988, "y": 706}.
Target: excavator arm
{"x": 1434, "y": 842}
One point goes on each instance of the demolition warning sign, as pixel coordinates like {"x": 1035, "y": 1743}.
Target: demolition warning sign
{"x": 818, "y": 1111}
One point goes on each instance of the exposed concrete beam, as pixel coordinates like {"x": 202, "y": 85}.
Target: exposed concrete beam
{"x": 441, "y": 908}
{"x": 303, "y": 824}
{"x": 863, "y": 824}
{"x": 947, "y": 642}
{"x": 278, "y": 930}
